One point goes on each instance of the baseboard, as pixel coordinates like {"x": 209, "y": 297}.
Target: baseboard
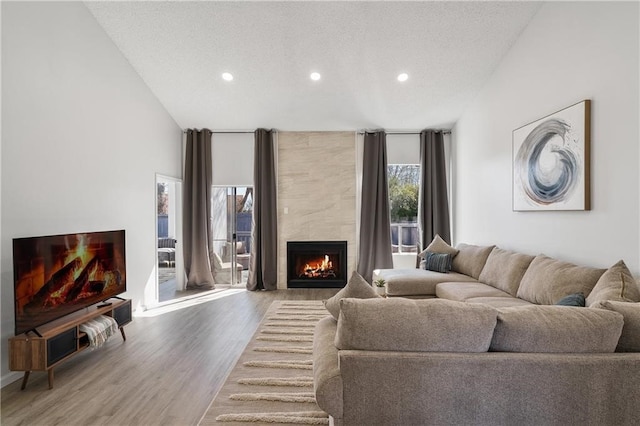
{"x": 9, "y": 378}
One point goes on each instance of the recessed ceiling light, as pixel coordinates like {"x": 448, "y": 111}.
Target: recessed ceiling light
{"x": 315, "y": 76}
{"x": 403, "y": 76}
{"x": 227, "y": 76}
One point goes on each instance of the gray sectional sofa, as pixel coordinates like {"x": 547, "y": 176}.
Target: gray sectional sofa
{"x": 489, "y": 274}
{"x": 485, "y": 346}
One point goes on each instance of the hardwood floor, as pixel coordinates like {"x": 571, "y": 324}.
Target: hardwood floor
{"x": 166, "y": 373}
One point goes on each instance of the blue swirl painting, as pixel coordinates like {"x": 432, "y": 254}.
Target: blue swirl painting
{"x": 550, "y": 162}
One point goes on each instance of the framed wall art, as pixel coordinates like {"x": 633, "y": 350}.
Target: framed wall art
{"x": 551, "y": 161}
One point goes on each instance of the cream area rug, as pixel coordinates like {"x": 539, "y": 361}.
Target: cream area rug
{"x": 272, "y": 382}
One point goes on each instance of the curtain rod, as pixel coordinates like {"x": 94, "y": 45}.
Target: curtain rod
{"x": 412, "y": 132}
{"x": 226, "y": 131}
{"x": 360, "y": 132}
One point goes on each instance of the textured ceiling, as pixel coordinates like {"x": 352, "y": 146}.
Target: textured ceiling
{"x": 180, "y": 49}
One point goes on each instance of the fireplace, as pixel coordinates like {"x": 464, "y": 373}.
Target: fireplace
{"x": 316, "y": 264}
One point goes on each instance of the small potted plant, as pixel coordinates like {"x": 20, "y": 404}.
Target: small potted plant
{"x": 380, "y": 286}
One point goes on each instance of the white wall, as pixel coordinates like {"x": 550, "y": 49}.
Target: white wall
{"x": 82, "y": 139}
{"x": 232, "y": 158}
{"x": 569, "y": 52}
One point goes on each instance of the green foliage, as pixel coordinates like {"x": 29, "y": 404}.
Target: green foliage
{"x": 163, "y": 198}
{"x": 380, "y": 282}
{"x": 403, "y": 191}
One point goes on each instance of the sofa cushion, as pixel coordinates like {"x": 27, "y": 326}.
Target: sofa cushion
{"x": 414, "y": 281}
{"x": 499, "y": 302}
{"x": 428, "y": 325}
{"x": 630, "y": 338}
{"x": 438, "y": 262}
{"x": 504, "y": 270}
{"x": 548, "y": 280}
{"x": 356, "y": 287}
{"x": 558, "y": 329}
{"x": 572, "y": 300}
{"x": 616, "y": 283}
{"x": 463, "y": 291}
{"x": 470, "y": 259}
{"x": 438, "y": 245}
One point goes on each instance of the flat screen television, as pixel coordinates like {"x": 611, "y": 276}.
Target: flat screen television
{"x": 56, "y": 275}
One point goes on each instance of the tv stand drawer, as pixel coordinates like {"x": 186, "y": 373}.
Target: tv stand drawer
{"x": 122, "y": 313}
{"x": 62, "y": 345}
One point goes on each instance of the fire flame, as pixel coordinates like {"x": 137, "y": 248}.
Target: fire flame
{"x": 321, "y": 268}
{"x": 325, "y": 265}
{"x": 80, "y": 251}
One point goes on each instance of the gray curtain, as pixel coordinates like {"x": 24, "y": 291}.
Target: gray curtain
{"x": 198, "y": 243}
{"x": 375, "y": 223}
{"x": 433, "y": 204}
{"x": 263, "y": 272}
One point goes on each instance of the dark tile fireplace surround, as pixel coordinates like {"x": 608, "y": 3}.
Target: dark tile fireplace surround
{"x": 316, "y": 264}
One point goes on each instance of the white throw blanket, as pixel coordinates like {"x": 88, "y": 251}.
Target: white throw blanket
{"x": 99, "y": 330}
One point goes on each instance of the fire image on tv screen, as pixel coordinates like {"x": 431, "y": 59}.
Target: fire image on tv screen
{"x": 60, "y": 274}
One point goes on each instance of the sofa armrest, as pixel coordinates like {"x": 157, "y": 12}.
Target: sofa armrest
{"x": 327, "y": 381}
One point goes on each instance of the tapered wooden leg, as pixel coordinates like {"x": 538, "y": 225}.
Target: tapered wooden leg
{"x": 124, "y": 337}
{"x": 51, "y": 378}
{"x": 25, "y": 378}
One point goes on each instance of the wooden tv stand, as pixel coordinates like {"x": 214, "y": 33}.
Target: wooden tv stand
{"x": 61, "y": 339}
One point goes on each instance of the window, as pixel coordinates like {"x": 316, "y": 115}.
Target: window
{"x": 404, "y": 184}
{"x": 403, "y": 175}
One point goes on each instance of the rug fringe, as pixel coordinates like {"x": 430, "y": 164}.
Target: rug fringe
{"x": 285, "y": 349}
{"x": 315, "y": 318}
{"x": 298, "y": 331}
{"x": 303, "y": 382}
{"x": 275, "y": 396}
{"x": 289, "y": 324}
{"x": 286, "y": 338}
{"x": 300, "y": 365}
{"x": 300, "y": 417}
{"x": 321, "y": 309}
{"x": 322, "y": 312}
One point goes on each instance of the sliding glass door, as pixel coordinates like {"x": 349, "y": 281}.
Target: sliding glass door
{"x": 170, "y": 271}
{"x": 231, "y": 211}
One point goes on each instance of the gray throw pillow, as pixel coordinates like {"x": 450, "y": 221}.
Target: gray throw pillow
{"x": 438, "y": 262}
{"x": 576, "y": 299}
{"x": 356, "y": 287}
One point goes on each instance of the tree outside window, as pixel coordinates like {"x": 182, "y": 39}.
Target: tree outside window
{"x": 404, "y": 183}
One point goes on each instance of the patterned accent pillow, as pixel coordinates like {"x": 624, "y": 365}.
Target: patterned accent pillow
{"x": 438, "y": 262}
